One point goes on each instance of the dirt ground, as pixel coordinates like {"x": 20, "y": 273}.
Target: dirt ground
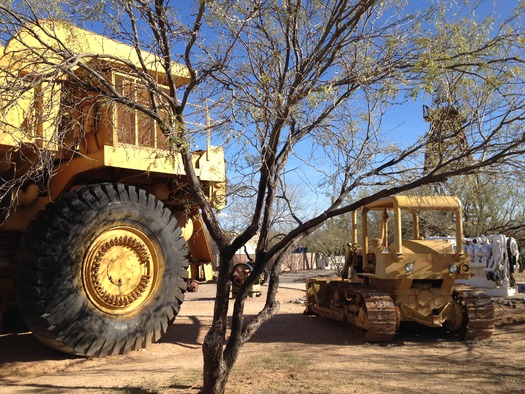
{"x": 293, "y": 353}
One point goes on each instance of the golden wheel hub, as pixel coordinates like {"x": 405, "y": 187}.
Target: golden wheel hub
{"x": 121, "y": 270}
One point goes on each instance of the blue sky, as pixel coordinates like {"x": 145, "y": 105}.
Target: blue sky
{"x": 404, "y": 122}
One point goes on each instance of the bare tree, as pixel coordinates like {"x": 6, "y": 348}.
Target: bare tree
{"x": 301, "y": 87}
{"x": 492, "y": 202}
{"x": 332, "y": 238}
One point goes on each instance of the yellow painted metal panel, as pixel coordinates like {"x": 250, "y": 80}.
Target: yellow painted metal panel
{"x": 198, "y": 243}
{"x": 417, "y": 202}
{"x": 31, "y": 116}
{"x": 67, "y": 172}
{"x": 426, "y": 266}
{"x": 86, "y": 45}
{"x": 140, "y": 159}
{"x": 154, "y": 160}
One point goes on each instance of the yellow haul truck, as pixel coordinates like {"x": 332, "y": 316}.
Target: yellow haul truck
{"x": 396, "y": 277}
{"x": 96, "y": 246}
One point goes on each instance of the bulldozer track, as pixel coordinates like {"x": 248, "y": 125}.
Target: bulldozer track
{"x": 478, "y": 311}
{"x": 369, "y": 311}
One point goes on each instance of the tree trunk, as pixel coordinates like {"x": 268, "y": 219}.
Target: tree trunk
{"x": 220, "y": 355}
{"x": 216, "y": 370}
{"x": 216, "y": 373}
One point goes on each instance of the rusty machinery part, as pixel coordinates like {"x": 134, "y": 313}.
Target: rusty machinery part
{"x": 193, "y": 286}
{"x": 473, "y": 314}
{"x": 103, "y": 271}
{"x": 240, "y": 272}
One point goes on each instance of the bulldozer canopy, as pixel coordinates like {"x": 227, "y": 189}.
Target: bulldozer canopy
{"x": 416, "y": 202}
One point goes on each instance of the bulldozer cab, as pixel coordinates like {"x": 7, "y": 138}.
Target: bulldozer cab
{"x": 389, "y": 250}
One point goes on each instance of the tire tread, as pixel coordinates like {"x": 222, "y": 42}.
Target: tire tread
{"x": 51, "y": 302}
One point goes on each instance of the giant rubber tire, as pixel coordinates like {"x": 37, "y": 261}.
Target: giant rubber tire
{"x": 51, "y": 295}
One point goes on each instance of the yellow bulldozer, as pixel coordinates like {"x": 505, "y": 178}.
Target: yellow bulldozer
{"x": 99, "y": 234}
{"x": 399, "y": 275}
